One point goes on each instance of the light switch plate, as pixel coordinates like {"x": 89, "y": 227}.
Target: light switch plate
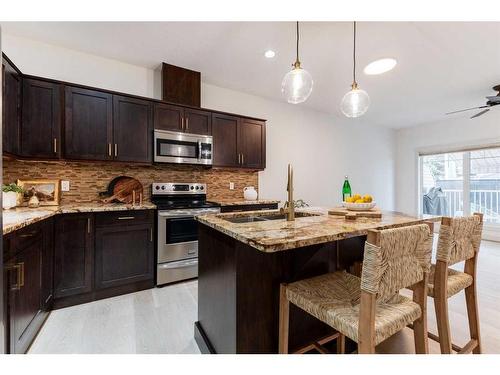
{"x": 231, "y": 186}
{"x": 65, "y": 185}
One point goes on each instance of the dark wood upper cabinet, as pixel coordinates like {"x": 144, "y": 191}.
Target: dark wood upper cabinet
{"x": 73, "y": 254}
{"x": 41, "y": 119}
{"x": 124, "y": 254}
{"x": 169, "y": 117}
{"x": 252, "y": 143}
{"x": 132, "y": 129}
{"x": 88, "y": 124}
{"x": 181, "y": 85}
{"x": 225, "y": 140}
{"x": 197, "y": 122}
{"x": 11, "y": 107}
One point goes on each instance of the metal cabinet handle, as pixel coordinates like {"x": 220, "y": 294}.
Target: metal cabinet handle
{"x": 126, "y": 218}
{"x": 109, "y": 149}
{"x": 182, "y": 123}
{"x": 239, "y": 158}
{"x": 55, "y": 145}
{"x": 19, "y": 268}
{"x": 27, "y": 235}
{"x": 242, "y": 159}
{"x": 151, "y": 235}
{"x": 20, "y": 279}
{"x": 116, "y": 149}
{"x": 88, "y": 225}
{"x": 187, "y": 123}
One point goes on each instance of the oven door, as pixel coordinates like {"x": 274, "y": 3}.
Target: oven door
{"x": 177, "y": 238}
{"x": 172, "y": 147}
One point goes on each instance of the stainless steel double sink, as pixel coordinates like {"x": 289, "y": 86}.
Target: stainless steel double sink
{"x": 263, "y": 217}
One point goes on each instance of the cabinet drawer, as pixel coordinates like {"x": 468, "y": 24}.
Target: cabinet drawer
{"x": 131, "y": 217}
{"x": 15, "y": 242}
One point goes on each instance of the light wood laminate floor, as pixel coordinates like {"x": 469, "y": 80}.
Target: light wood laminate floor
{"x": 160, "y": 320}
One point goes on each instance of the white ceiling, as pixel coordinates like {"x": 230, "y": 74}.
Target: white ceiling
{"x": 442, "y": 66}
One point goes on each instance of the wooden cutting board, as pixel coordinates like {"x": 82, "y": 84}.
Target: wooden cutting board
{"x": 124, "y": 190}
{"x": 374, "y": 213}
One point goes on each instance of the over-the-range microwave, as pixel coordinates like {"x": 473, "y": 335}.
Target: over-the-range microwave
{"x": 182, "y": 148}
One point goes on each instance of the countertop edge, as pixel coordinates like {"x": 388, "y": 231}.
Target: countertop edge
{"x": 314, "y": 240}
{"x": 50, "y": 211}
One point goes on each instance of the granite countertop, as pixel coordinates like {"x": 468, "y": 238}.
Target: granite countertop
{"x": 241, "y": 202}
{"x": 20, "y": 217}
{"x": 279, "y": 235}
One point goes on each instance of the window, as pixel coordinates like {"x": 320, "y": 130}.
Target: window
{"x": 461, "y": 183}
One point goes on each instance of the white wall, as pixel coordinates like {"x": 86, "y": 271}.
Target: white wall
{"x": 453, "y": 133}
{"x": 322, "y": 149}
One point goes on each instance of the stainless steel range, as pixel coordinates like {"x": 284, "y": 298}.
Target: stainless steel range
{"x": 178, "y": 204}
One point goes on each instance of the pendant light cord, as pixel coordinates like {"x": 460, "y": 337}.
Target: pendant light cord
{"x": 354, "y": 56}
{"x": 297, "y": 41}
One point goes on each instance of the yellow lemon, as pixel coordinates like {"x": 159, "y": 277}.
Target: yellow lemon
{"x": 356, "y": 197}
{"x": 349, "y": 199}
{"x": 368, "y": 198}
{"x": 359, "y": 201}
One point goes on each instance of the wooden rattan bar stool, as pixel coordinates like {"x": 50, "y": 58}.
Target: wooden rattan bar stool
{"x": 369, "y": 309}
{"x": 459, "y": 240}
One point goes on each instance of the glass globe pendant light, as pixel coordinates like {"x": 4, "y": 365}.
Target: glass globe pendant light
{"x": 297, "y": 83}
{"x": 356, "y": 102}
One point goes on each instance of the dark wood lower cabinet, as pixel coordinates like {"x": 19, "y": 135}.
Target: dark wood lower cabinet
{"x": 28, "y": 283}
{"x": 102, "y": 255}
{"x": 123, "y": 254}
{"x": 73, "y": 254}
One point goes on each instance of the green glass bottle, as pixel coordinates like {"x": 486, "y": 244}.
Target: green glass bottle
{"x": 346, "y": 189}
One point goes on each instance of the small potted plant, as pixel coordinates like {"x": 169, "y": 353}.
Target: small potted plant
{"x": 9, "y": 195}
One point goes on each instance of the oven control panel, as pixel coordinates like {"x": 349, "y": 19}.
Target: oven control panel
{"x": 169, "y": 188}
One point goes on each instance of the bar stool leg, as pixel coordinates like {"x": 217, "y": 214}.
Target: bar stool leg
{"x": 341, "y": 344}
{"x": 471, "y": 301}
{"x": 283, "y": 321}
{"x": 443, "y": 324}
{"x": 420, "y": 325}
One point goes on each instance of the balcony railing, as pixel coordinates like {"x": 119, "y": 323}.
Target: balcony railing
{"x": 485, "y": 201}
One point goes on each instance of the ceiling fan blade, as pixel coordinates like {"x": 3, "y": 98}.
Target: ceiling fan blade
{"x": 494, "y": 99}
{"x": 480, "y": 113}
{"x": 468, "y": 109}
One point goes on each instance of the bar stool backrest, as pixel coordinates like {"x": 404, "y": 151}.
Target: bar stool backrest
{"x": 401, "y": 260}
{"x": 459, "y": 238}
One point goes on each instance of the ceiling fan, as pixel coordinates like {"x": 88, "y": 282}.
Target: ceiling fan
{"x": 491, "y": 102}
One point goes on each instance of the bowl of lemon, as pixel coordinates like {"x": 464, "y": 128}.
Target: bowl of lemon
{"x": 359, "y": 203}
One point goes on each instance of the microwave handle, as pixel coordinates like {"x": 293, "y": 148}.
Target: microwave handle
{"x": 199, "y": 150}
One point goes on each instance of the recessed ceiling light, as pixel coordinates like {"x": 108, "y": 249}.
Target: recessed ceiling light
{"x": 269, "y": 54}
{"x": 380, "y": 66}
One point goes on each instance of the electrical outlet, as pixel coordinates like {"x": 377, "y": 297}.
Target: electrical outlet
{"x": 231, "y": 186}
{"x": 65, "y": 185}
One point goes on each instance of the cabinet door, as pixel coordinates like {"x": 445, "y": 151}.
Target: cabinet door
{"x": 169, "y": 117}
{"x": 24, "y": 296}
{"x": 41, "y": 120}
{"x": 225, "y": 140}
{"x": 132, "y": 129}
{"x": 11, "y": 115}
{"x": 89, "y": 124}
{"x": 252, "y": 143}
{"x": 124, "y": 254}
{"x": 197, "y": 122}
{"x": 47, "y": 292}
{"x": 73, "y": 254}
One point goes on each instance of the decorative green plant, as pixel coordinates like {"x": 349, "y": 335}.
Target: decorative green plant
{"x": 12, "y": 188}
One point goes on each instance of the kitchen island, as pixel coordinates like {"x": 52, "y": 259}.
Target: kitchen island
{"x": 243, "y": 257}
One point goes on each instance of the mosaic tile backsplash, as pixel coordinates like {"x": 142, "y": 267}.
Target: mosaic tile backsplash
{"x": 88, "y": 179}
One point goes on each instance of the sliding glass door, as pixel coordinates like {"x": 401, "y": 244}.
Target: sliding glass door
{"x": 461, "y": 183}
